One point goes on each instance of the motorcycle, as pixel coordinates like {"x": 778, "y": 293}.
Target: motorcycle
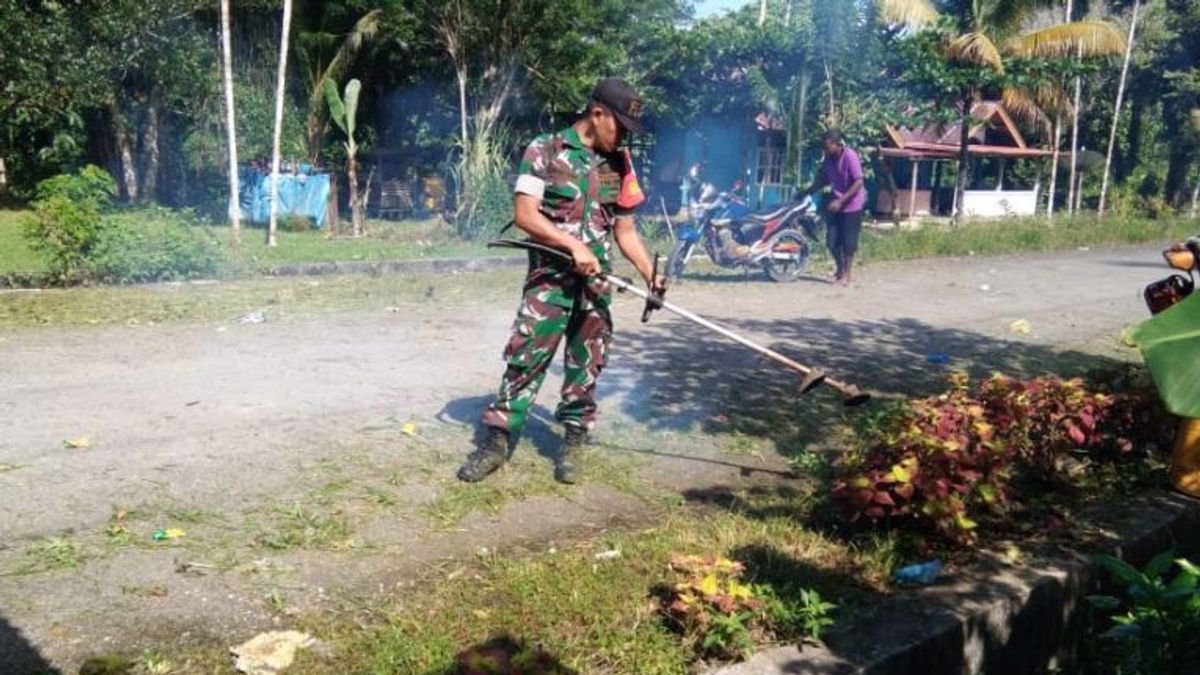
{"x": 1163, "y": 294}
{"x": 778, "y": 240}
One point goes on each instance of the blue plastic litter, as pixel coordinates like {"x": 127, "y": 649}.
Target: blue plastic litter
{"x": 921, "y": 573}
{"x": 939, "y": 359}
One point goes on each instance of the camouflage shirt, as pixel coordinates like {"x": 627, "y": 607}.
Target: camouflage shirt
{"x": 578, "y": 189}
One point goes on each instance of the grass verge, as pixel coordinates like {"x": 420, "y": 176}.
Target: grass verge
{"x": 1016, "y": 235}
{"x": 593, "y": 605}
{"x": 226, "y": 301}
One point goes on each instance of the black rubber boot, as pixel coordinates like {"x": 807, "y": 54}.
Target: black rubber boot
{"x": 489, "y": 456}
{"x": 568, "y": 466}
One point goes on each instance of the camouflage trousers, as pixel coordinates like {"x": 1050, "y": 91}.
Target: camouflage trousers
{"x": 549, "y": 311}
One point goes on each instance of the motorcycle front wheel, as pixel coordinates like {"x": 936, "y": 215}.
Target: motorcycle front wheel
{"x": 678, "y": 259}
{"x": 790, "y": 252}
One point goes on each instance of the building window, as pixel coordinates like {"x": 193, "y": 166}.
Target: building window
{"x": 772, "y": 149}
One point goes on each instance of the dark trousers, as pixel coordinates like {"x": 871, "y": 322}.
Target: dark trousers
{"x": 844, "y": 229}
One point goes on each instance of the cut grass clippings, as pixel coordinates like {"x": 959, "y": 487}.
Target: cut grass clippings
{"x": 524, "y": 476}
{"x": 49, "y": 554}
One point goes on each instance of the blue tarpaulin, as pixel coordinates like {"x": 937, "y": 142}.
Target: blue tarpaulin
{"x": 300, "y": 194}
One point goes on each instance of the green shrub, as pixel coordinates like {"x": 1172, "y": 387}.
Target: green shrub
{"x": 484, "y": 196}
{"x": 152, "y": 245}
{"x": 1157, "y": 632}
{"x": 68, "y": 218}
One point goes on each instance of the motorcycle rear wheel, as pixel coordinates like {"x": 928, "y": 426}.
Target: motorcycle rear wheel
{"x": 790, "y": 252}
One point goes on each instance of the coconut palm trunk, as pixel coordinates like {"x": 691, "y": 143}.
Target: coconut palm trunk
{"x": 1054, "y": 166}
{"x": 964, "y": 159}
{"x": 1112, "y": 136}
{"x": 1071, "y": 208}
{"x": 280, "y": 92}
{"x": 235, "y": 202}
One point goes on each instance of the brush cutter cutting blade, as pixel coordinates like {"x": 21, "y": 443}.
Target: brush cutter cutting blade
{"x": 811, "y": 381}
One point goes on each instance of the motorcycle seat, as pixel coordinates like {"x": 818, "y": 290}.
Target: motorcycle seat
{"x": 772, "y": 214}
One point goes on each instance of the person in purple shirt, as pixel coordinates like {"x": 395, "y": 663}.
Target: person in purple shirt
{"x": 842, "y": 171}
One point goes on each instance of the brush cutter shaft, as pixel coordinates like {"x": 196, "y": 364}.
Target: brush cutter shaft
{"x": 854, "y": 395}
{"x": 628, "y": 285}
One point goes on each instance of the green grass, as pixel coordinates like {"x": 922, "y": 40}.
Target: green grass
{"x": 226, "y": 301}
{"x": 309, "y": 526}
{"x": 16, "y": 258}
{"x": 51, "y": 553}
{"x": 599, "y": 615}
{"x": 407, "y": 240}
{"x": 386, "y": 240}
{"x": 1016, "y": 235}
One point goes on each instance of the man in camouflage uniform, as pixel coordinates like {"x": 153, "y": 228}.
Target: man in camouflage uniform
{"x": 575, "y": 189}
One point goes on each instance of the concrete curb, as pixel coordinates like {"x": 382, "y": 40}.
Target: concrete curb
{"x": 401, "y": 266}
{"x": 996, "y": 618}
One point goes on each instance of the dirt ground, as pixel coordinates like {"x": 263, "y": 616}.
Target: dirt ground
{"x": 311, "y": 459}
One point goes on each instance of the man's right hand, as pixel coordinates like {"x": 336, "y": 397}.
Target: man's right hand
{"x": 586, "y": 262}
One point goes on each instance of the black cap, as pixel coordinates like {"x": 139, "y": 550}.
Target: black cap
{"x": 619, "y": 97}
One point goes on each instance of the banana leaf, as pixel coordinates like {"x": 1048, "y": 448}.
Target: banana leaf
{"x": 1170, "y": 344}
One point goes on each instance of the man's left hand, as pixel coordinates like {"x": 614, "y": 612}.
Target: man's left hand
{"x": 835, "y": 206}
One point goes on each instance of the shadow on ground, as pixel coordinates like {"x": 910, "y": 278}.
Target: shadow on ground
{"x": 505, "y": 655}
{"x": 541, "y": 429}
{"x": 18, "y": 656}
{"x": 682, "y": 377}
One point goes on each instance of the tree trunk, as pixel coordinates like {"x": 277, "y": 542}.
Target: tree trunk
{"x": 235, "y": 208}
{"x": 833, "y": 117}
{"x": 151, "y": 149}
{"x": 800, "y": 111}
{"x": 964, "y": 159}
{"x": 762, "y": 12}
{"x": 1079, "y": 193}
{"x": 125, "y": 154}
{"x": 1128, "y": 159}
{"x": 1179, "y": 164}
{"x": 787, "y": 14}
{"x": 3, "y": 178}
{"x": 1054, "y": 166}
{"x": 1112, "y": 136}
{"x": 487, "y": 118}
{"x": 1195, "y": 193}
{"x": 356, "y": 210}
{"x": 280, "y": 92}
{"x": 462, "y": 103}
{"x": 1075, "y": 141}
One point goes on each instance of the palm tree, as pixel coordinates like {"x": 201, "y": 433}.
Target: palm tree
{"x": 1112, "y": 137}
{"x": 280, "y": 92}
{"x": 985, "y": 34}
{"x": 235, "y": 210}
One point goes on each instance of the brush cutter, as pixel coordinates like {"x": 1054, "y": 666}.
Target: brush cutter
{"x": 654, "y": 301}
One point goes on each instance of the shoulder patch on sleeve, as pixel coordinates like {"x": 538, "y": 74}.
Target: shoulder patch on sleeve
{"x": 530, "y": 185}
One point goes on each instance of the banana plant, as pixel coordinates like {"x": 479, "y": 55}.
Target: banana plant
{"x": 343, "y": 110}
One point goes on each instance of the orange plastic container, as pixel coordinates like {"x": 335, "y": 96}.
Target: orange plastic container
{"x": 1185, "y": 458}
